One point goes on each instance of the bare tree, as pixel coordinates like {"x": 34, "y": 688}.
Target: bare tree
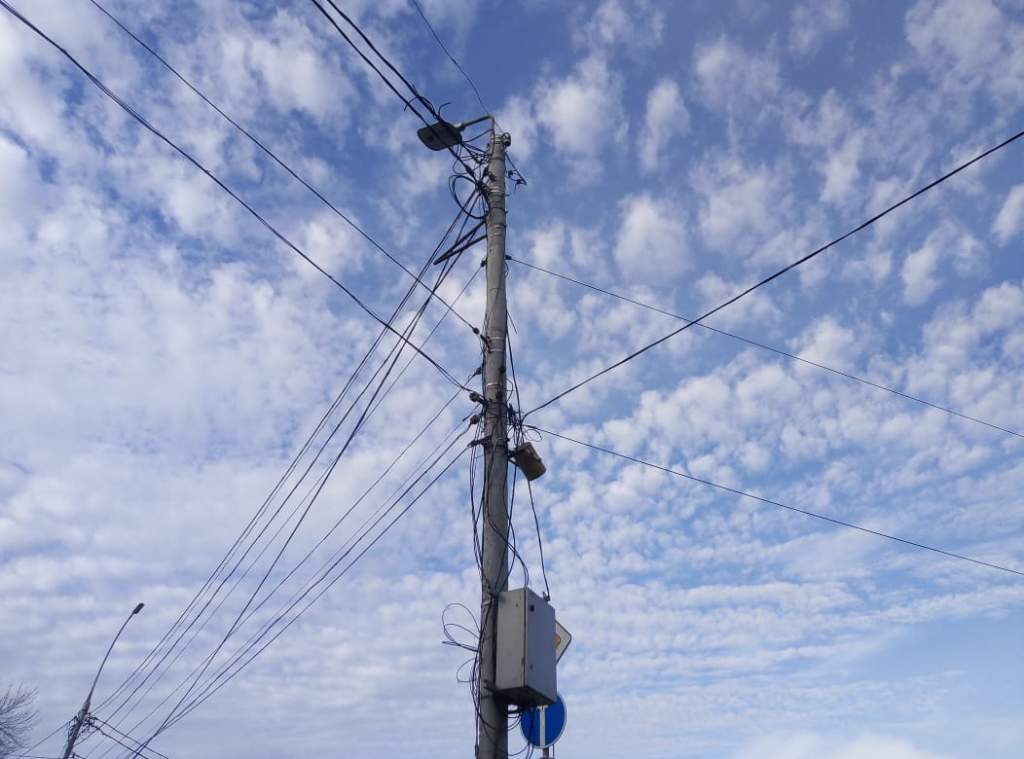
{"x": 16, "y": 718}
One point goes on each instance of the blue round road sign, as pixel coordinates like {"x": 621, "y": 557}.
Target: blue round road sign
{"x": 544, "y": 725}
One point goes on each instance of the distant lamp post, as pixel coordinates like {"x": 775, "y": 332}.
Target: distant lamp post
{"x": 80, "y": 718}
{"x": 443, "y": 135}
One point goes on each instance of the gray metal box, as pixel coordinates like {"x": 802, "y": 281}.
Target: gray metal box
{"x": 525, "y": 649}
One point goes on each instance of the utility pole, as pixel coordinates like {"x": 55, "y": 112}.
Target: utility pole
{"x": 82, "y": 717}
{"x": 492, "y": 715}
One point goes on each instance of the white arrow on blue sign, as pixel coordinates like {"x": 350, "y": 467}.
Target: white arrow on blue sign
{"x": 544, "y": 725}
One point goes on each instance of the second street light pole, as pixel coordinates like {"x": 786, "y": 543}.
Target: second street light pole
{"x": 82, "y": 717}
{"x": 492, "y": 714}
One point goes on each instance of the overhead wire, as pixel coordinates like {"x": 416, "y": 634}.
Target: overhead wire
{"x": 270, "y": 153}
{"x": 95, "y": 722}
{"x": 766, "y": 347}
{"x": 443, "y": 316}
{"x": 772, "y": 277}
{"x": 373, "y": 346}
{"x": 329, "y": 583}
{"x": 216, "y": 180}
{"x": 324, "y": 567}
{"x": 399, "y": 346}
{"x": 138, "y": 117}
{"x": 380, "y": 399}
{"x": 132, "y": 750}
{"x": 318, "y": 489}
{"x": 407, "y": 101}
{"x": 466, "y": 76}
{"x": 780, "y": 505}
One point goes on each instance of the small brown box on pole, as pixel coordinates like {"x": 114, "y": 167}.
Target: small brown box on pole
{"x": 525, "y": 457}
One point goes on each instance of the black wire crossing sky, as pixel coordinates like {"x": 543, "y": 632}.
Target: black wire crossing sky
{"x": 780, "y": 505}
{"x": 772, "y": 349}
{"x": 290, "y": 553}
{"x": 784, "y": 270}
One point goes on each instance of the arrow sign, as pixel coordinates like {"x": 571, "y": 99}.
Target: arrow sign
{"x": 544, "y": 725}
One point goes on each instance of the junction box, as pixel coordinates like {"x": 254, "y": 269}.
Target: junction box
{"x": 525, "y": 649}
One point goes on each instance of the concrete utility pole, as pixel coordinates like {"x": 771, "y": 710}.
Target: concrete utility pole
{"x": 492, "y": 718}
{"x": 83, "y": 714}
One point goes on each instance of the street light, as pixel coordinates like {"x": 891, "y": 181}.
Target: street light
{"x": 443, "y": 135}
{"x": 80, "y": 718}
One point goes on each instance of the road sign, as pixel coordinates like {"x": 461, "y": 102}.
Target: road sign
{"x": 562, "y": 640}
{"x": 544, "y": 725}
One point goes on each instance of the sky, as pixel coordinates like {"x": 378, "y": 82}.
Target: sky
{"x": 163, "y": 357}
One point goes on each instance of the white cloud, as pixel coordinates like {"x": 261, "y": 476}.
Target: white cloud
{"x": 969, "y": 45}
{"x": 828, "y": 342}
{"x": 517, "y": 117}
{"x": 734, "y": 80}
{"x": 651, "y": 244}
{"x": 919, "y": 275}
{"x": 1010, "y": 220}
{"x": 635, "y": 24}
{"x": 812, "y": 22}
{"x": 947, "y": 242}
{"x": 743, "y": 205}
{"x": 582, "y": 114}
{"x": 810, "y": 746}
{"x": 665, "y": 119}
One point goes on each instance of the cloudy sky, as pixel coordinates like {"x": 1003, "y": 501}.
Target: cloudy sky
{"x": 163, "y": 357}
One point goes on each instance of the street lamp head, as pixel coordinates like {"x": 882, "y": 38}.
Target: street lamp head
{"x": 138, "y": 608}
{"x": 440, "y": 136}
{"x": 443, "y": 135}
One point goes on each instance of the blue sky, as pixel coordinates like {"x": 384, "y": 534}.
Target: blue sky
{"x": 164, "y": 357}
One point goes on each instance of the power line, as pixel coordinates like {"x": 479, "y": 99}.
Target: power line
{"x": 779, "y": 273}
{"x": 766, "y": 347}
{"x": 254, "y": 520}
{"x": 211, "y": 689}
{"x": 440, "y": 42}
{"x": 465, "y": 75}
{"x": 126, "y": 737}
{"x": 273, "y": 156}
{"x": 217, "y": 682}
{"x": 408, "y": 102}
{"x": 770, "y": 502}
{"x": 398, "y": 347}
{"x": 318, "y": 488}
{"x": 195, "y": 162}
{"x": 131, "y": 749}
{"x": 309, "y": 501}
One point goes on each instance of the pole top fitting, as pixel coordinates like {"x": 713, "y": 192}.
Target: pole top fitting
{"x": 506, "y": 139}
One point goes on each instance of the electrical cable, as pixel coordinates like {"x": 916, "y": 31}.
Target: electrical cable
{"x": 770, "y": 502}
{"x": 416, "y": 96}
{"x": 270, "y": 153}
{"x": 397, "y": 310}
{"x": 540, "y": 542}
{"x": 132, "y": 751}
{"x": 465, "y": 75}
{"x": 312, "y": 551}
{"x": 142, "y": 121}
{"x": 195, "y": 162}
{"x": 764, "y": 346}
{"x": 334, "y": 580}
{"x": 205, "y": 695}
{"x": 267, "y": 598}
{"x": 125, "y": 736}
{"x": 45, "y": 738}
{"x": 318, "y": 489}
{"x": 780, "y": 272}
